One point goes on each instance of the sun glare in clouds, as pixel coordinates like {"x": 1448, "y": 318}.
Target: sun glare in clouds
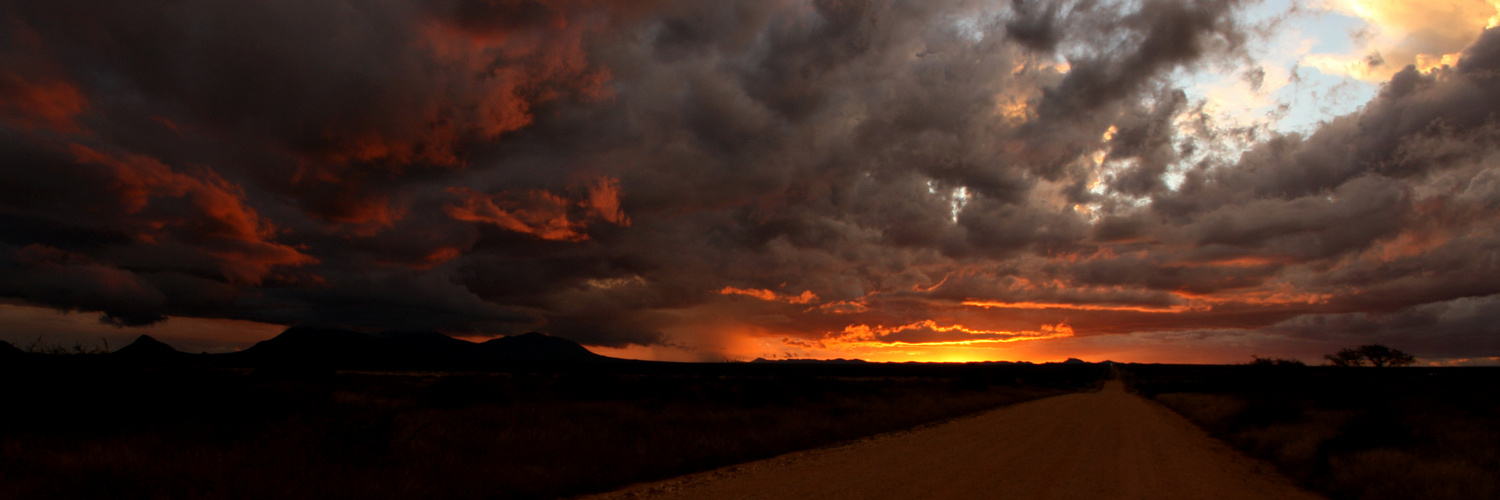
{"x": 921, "y": 341}
{"x": 1427, "y": 34}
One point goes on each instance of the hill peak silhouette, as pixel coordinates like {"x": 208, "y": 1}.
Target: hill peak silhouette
{"x": 334, "y": 348}
{"x": 146, "y": 348}
{"x": 536, "y": 345}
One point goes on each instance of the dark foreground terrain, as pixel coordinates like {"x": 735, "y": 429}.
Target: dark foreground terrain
{"x": 1355, "y": 433}
{"x": 85, "y": 428}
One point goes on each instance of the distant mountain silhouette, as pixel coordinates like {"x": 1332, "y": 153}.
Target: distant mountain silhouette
{"x": 434, "y": 343}
{"x": 536, "y": 346}
{"x": 318, "y": 347}
{"x": 332, "y": 348}
{"x": 1075, "y": 361}
{"x": 148, "y": 350}
{"x": 801, "y": 361}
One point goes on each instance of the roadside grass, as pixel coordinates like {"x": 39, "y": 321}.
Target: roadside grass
{"x": 1349, "y": 433}
{"x": 77, "y": 431}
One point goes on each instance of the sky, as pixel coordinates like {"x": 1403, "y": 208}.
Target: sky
{"x": 935, "y": 180}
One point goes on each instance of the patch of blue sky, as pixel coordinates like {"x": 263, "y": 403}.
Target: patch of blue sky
{"x": 1319, "y": 97}
{"x": 1334, "y": 32}
{"x": 1293, "y": 96}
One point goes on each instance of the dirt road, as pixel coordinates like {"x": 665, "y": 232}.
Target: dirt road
{"x": 1104, "y": 445}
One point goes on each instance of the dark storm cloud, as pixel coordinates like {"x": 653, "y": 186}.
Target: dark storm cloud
{"x": 1457, "y": 328}
{"x": 601, "y": 170}
{"x": 1035, "y": 25}
{"x": 1145, "y": 137}
{"x": 1139, "y": 48}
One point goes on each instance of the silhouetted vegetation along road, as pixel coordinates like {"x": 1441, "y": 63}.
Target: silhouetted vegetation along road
{"x": 1349, "y": 432}
{"x": 1102, "y": 445}
{"x": 85, "y": 426}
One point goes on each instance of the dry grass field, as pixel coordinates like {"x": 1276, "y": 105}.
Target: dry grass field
{"x": 1349, "y": 433}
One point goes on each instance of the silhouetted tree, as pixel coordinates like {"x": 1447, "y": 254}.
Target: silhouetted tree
{"x": 1376, "y": 355}
{"x": 1345, "y": 357}
{"x": 1381, "y": 356}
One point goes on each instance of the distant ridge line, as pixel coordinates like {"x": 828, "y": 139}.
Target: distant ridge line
{"x": 330, "y": 348}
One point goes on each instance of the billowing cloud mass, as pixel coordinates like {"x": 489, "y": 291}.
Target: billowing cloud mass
{"x": 935, "y": 179}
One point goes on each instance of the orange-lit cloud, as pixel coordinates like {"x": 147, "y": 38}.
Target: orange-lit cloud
{"x": 1278, "y": 294}
{"x": 433, "y": 145}
{"x": 341, "y": 198}
{"x": 1080, "y": 307}
{"x": 537, "y": 64}
{"x": 220, "y": 223}
{"x": 1409, "y": 244}
{"x": 843, "y": 307}
{"x": 542, "y": 213}
{"x": 1243, "y": 261}
{"x": 539, "y": 213}
{"x": 360, "y": 214}
{"x": 46, "y": 104}
{"x": 928, "y": 333}
{"x": 807, "y": 297}
{"x": 604, "y": 200}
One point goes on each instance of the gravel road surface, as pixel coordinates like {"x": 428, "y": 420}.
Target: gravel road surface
{"x": 1102, "y": 445}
